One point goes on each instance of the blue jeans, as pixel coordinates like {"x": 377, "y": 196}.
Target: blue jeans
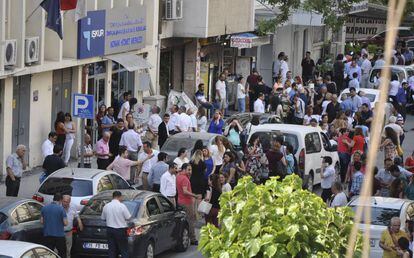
{"x": 344, "y": 159}
{"x": 210, "y": 107}
{"x": 242, "y": 105}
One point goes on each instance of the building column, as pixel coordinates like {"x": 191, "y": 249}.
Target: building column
{"x": 77, "y": 88}
{"x": 108, "y": 83}
{"x": 190, "y": 63}
{"x": 5, "y": 124}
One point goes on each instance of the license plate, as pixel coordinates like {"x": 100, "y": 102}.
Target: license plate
{"x": 95, "y": 246}
{"x": 372, "y": 242}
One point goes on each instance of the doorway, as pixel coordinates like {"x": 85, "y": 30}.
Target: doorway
{"x": 21, "y": 111}
{"x": 96, "y": 87}
{"x": 62, "y": 92}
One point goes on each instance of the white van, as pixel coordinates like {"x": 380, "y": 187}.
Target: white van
{"x": 403, "y": 73}
{"x": 310, "y": 145}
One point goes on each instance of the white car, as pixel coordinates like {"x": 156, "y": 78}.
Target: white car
{"x": 403, "y": 73}
{"x": 19, "y": 249}
{"x": 372, "y": 94}
{"x": 309, "y": 144}
{"x": 382, "y": 210}
{"x": 80, "y": 183}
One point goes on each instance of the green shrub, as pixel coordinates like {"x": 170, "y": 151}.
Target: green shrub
{"x": 277, "y": 219}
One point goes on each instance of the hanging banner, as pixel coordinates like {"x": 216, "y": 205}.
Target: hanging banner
{"x": 360, "y": 28}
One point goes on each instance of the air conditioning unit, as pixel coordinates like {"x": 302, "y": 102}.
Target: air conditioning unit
{"x": 31, "y": 53}
{"x": 173, "y": 9}
{"x": 10, "y": 53}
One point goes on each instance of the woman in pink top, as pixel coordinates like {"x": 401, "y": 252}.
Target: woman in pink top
{"x": 122, "y": 165}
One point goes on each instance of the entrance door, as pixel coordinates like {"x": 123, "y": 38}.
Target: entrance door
{"x": 96, "y": 87}
{"x": 62, "y": 91}
{"x": 21, "y": 110}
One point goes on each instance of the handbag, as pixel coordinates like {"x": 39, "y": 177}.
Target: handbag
{"x": 204, "y": 207}
{"x": 400, "y": 151}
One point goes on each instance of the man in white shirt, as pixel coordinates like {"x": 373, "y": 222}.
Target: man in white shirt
{"x": 132, "y": 140}
{"x": 168, "y": 182}
{"x": 173, "y": 120}
{"x": 116, "y": 216}
{"x": 354, "y": 83}
{"x": 124, "y": 109}
{"x": 365, "y": 68}
{"x": 153, "y": 123}
{"x": 71, "y": 214}
{"x": 48, "y": 144}
{"x": 147, "y": 163}
{"x": 191, "y": 114}
{"x": 259, "y": 104}
{"x": 184, "y": 121}
{"x": 394, "y": 86}
{"x": 393, "y": 124}
{"x": 277, "y": 65}
{"x": 284, "y": 68}
{"x": 221, "y": 94}
{"x": 299, "y": 112}
{"x": 340, "y": 199}
{"x": 327, "y": 178}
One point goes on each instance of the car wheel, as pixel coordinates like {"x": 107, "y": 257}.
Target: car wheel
{"x": 309, "y": 183}
{"x": 149, "y": 250}
{"x": 184, "y": 241}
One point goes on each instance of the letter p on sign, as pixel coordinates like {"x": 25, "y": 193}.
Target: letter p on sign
{"x": 83, "y": 106}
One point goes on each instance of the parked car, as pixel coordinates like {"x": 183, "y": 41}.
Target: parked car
{"x": 80, "y": 183}
{"x": 403, "y": 73}
{"x": 245, "y": 118}
{"x": 20, "y": 219}
{"x": 382, "y": 210}
{"x": 403, "y": 34}
{"x": 309, "y": 144}
{"x": 156, "y": 225}
{"x": 372, "y": 94}
{"x": 186, "y": 140}
{"x": 19, "y": 249}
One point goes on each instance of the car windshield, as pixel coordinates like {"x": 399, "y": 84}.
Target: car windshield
{"x": 380, "y": 216}
{"x": 174, "y": 144}
{"x": 70, "y": 186}
{"x": 95, "y": 206}
{"x": 371, "y": 97}
{"x": 267, "y": 137}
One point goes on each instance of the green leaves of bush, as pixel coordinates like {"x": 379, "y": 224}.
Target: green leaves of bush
{"x": 277, "y": 219}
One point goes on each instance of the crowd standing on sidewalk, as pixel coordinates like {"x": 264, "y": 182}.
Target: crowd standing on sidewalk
{"x": 202, "y": 174}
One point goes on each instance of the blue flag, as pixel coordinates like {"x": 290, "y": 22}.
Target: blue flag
{"x": 54, "y": 19}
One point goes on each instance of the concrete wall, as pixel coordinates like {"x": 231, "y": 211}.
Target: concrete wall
{"x": 40, "y": 121}
{"x": 195, "y": 19}
{"x": 190, "y": 68}
{"x": 6, "y": 122}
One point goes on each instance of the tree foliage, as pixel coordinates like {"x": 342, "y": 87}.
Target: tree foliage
{"x": 334, "y": 12}
{"x": 277, "y": 219}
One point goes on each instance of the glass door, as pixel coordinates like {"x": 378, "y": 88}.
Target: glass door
{"x": 96, "y": 87}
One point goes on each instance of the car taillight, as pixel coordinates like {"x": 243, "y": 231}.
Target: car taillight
{"x": 5, "y": 235}
{"x": 302, "y": 160}
{"x": 137, "y": 230}
{"x": 74, "y": 230}
{"x": 38, "y": 198}
{"x": 84, "y": 202}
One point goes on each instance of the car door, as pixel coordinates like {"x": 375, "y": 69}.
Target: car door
{"x": 170, "y": 224}
{"x": 313, "y": 148}
{"x": 155, "y": 219}
{"x": 26, "y": 225}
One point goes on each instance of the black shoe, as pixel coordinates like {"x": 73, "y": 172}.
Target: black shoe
{"x": 195, "y": 242}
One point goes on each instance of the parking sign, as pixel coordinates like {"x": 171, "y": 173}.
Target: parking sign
{"x": 83, "y": 106}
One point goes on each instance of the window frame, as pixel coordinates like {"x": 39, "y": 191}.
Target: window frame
{"x": 148, "y": 211}
{"x": 160, "y": 197}
{"x": 308, "y": 151}
{"x": 99, "y": 183}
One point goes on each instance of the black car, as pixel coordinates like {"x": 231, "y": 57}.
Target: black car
{"x": 20, "y": 220}
{"x": 156, "y": 225}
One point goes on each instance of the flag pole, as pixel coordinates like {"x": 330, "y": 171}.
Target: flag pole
{"x": 31, "y": 14}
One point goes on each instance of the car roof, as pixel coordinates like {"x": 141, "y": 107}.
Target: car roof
{"x": 285, "y": 127}
{"x": 127, "y": 194}
{"x": 7, "y": 201}
{"x": 402, "y": 67}
{"x": 194, "y": 135}
{"x": 382, "y": 202}
{"x": 366, "y": 90}
{"x": 80, "y": 173}
{"x": 13, "y": 248}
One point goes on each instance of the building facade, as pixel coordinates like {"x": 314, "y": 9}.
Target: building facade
{"x": 105, "y": 54}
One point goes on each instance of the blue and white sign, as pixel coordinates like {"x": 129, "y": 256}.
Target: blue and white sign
{"x": 91, "y": 35}
{"x": 83, "y": 106}
{"x": 112, "y": 31}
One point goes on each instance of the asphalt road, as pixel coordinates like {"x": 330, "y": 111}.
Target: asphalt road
{"x": 30, "y": 183}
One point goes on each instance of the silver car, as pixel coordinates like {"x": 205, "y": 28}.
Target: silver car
{"x": 80, "y": 183}
{"x": 19, "y": 249}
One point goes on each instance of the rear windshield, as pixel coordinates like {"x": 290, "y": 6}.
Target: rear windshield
{"x": 267, "y": 137}
{"x": 70, "y": 186}
{"x": 380, "y": 216}
{"x": 95, "y": 206}
{"x": 174, "y": 144}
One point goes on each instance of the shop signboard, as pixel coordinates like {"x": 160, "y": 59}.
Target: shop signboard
{"x": 241, "y": 42}
{"x": 360, "y": 27}
{"x": 111, "y": 31}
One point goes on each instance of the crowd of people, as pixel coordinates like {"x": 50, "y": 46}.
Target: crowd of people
{"x": 203, "y": 173}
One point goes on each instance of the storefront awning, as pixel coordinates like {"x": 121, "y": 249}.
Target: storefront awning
{"x": 131, "y": 62}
